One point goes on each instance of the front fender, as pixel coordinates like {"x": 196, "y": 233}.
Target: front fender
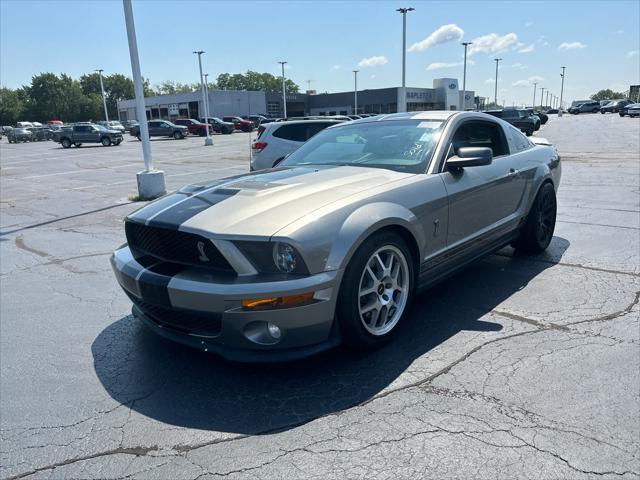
{"x": 366, "y": 220}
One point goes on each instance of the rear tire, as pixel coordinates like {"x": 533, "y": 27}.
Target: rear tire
{"x": 106, "y": 142}
{"x": 138, "y": 137}
{"x": 66, "y": 143}
{"x": 540, "y": 222}
{"x": 374, "y": 297}
{"x": 529, "y": 132}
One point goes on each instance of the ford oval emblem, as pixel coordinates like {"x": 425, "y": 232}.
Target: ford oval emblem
{"x": 452, "y": 86}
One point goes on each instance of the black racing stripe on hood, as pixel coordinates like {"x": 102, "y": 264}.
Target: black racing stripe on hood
{"x": 183, "y": 211}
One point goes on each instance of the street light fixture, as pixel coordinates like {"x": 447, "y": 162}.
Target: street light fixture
{"x": 355, "y": 91}
{"x": 464, "y": 75}
{"x": 495, "y": 99}
{"x": 535, "y": 84}
{"x": 561, "y": 92}
{"x": 150, "y": 182}
{"x": 208, "y": 140}
{"x": 104, "y": 100}
{"x": 403, "y": 104}
{"x": 284, "y": 91}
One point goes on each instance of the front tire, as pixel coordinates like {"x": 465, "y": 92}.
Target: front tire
{"x": 66, "y": 143}
{"x": 106, "y": 142}
{"x": 376, "y": 291}
{"x": 177, "y": 136}
{"x": 540, "y": 222}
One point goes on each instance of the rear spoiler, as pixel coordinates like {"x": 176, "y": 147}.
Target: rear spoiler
{"x": 541, "y": 141}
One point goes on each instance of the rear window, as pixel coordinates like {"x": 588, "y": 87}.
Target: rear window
{"x": 261, "y": 130}
{"x": 300, "y": 132}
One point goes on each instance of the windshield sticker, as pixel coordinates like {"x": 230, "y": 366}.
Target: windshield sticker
{"x": 431, "y": 125}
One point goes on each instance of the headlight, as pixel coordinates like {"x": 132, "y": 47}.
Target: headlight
{"x": 285, "y": 257}
{"x": 273, "y": 257}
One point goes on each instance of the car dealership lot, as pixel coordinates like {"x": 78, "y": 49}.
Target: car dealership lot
{"x": 517, "y": 367}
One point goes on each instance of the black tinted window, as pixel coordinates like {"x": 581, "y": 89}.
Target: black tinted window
{"x": 480, "y": 134}
{"x": 296, "y": 132}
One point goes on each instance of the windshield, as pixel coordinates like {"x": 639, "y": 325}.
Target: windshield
{"x": 100, "y": 127}
{"x": 401, "y": 145}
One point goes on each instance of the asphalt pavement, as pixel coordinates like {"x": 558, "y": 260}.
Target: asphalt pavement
{"x": 517, "y": 367}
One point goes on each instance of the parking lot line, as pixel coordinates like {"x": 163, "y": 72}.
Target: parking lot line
{"x": 70, "y": 172}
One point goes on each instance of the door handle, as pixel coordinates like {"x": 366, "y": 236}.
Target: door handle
{"x": 513, "y": 172}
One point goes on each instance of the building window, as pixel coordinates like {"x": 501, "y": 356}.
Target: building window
{"x": 164, "y": 112}
{"x": 273, "y": 109}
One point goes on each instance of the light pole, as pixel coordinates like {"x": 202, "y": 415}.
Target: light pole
{"x": 402, "y": 106}
{"x": 309, "y": 85}
{"x": 355, "y": 92}
{"x": 284, "y": 91}
{"x": 208, "y": 140}
{"x": 104, "y": 100}
{"x": 206, "y": 94}
{"x": 150, "y": 182}
{"x": 546, "y": 103}
{"x": 495, "y": 99}
{"x": 464, "y": 75}
{"x": 535, "y": 84}
{"x": 561, "y": 92}
{"x": 542, "y": 89}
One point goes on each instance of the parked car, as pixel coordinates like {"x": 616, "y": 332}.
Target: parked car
{"x": 87, "y": 133}
{"x": 277, "y": 139}
{"x": 633, "y": 110}
{"x": 527, "y": 124}
{"x": 161, "y": 128}
{"x": 588, "y": 107}
{"x": 40, "y": 133}
{"x": 614, "y": 106}
{"x": 130, "y": 123}
{"x": 239, "y": 123}
{"x": 19, "y": 134}
{"x": 55, "y": 122}
{"x": 219, "y": 126}
{"x": 195, "y": 127}
{"x": 544, "y": 118}
{"x": 257, "y": 119}
{"x": 530, "y": 112}
{"x": 551, "y": 111}
{"x": 113, "y": 125}
{"x": 333, "y": 246}
{"x": 24, "y": 124}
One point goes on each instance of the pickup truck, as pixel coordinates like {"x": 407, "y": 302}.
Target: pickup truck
{"x": 161, "y": 128}
{"x": 87, "y": 133}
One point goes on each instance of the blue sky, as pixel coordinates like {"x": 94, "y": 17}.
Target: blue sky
{"x": 597, "y": 41}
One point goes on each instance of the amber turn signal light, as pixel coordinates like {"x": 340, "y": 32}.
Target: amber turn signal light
{"x": 277, "y": 302}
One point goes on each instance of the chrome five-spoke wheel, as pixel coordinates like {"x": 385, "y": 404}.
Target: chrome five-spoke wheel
{"x": 383, "y": 290}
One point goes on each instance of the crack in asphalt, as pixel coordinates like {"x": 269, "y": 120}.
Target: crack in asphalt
{"x": 185, "y": 449}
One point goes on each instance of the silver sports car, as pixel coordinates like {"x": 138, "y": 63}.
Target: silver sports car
{"x": 331, "y": 245}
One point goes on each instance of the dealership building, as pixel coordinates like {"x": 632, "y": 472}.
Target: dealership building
{"x": 445, "y": 94}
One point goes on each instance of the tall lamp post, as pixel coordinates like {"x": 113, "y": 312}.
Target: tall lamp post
{"x": 495, "y": 96}
{"x": 535, "y": 84}
{"x": 208, "y": 140}
{"x": 104, "y": 100}
{"x": 206, "y": 94}
{"x": 561, "y": 92}
{"x": 546, "y": 103}
{"x": 355, "y": 91}
{"x": 542, "y": 89}
{"x": 464, "y": 75}
{"x": 284, "y": 91}
{"x": 150, "y": 182}
{"x": 402, "y": 107}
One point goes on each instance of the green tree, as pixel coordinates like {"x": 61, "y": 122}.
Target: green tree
{"x": 254, "y": 81}
{"x": 607, "y": 94}
{"x": 169, "y": 87}
{"x": 11, "y": 106}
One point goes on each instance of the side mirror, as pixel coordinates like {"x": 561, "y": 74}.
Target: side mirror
{"x": 470, "y": 157}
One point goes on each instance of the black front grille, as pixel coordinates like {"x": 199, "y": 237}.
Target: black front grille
{"x": 181, "y": 321}
{"x": 174, "y": 246}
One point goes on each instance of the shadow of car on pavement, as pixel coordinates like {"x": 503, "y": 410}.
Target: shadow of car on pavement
{"x": 185, "y": 387}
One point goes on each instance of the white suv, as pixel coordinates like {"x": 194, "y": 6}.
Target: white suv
{"x": 277, "y": 139}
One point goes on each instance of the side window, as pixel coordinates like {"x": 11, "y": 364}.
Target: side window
{"x": 519, "y": 142}
{"x": 480, "y": 134}
{"x": 296, "y": 132}
{"x": 315, "y": 128}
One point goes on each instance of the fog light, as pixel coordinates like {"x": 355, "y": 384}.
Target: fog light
{"x": 274, "y": 330}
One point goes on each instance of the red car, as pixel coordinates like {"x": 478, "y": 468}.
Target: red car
{"x": 240, "y": 123}
{"x": 195, "y": 127}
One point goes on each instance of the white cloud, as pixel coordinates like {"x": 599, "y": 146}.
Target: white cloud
{"x": 528, "y": 49}
{"x": 492, "y": 80}
{"x": 519, "y": 66}
{"x": 444, "y": 34}
{"x": 492, "y": 43}
{"x": 528, "y": 82}
{"x": 374, "y": 61}
{"x": 632, "y": 53}
{"x": 528, "y": 24}
{"x": 571, "y": 46}
{"x": 440, "y": 65}
{"x": 335, "y": 67}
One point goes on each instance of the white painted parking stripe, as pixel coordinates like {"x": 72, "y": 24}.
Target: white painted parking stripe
{"x": 70, "y": 172}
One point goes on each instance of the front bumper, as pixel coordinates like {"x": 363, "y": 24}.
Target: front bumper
{"x": 214, "y": 318}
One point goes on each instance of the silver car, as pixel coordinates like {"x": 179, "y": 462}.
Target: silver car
{"x": 332, "y": 245}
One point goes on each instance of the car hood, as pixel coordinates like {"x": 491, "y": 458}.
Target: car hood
{"x": 260, "y": 204}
